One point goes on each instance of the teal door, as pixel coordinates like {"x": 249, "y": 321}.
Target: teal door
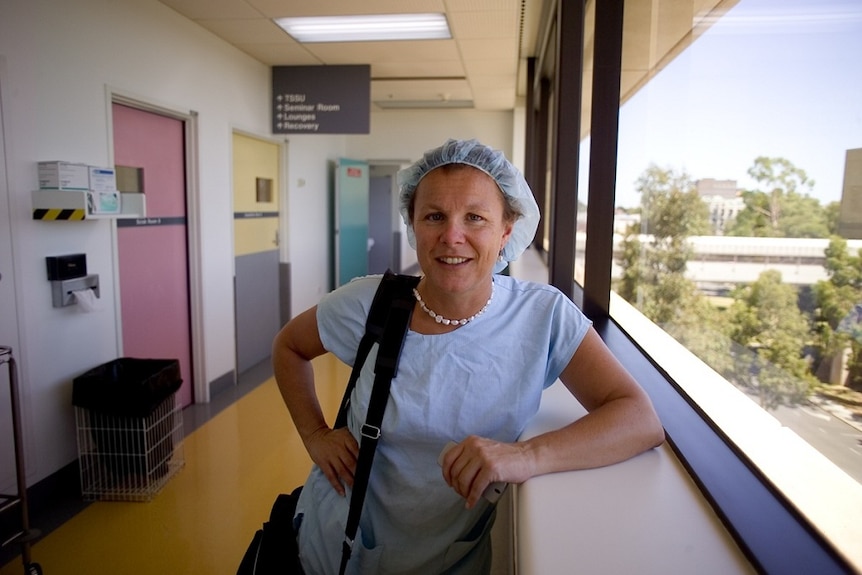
{"x": 351, "y": 220}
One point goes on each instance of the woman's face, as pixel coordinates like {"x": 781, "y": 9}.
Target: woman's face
{"x": 460, "y": 228}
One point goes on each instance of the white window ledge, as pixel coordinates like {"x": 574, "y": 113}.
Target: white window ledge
{"x": 644, "y": 515}
{"x": 829, "y": 498}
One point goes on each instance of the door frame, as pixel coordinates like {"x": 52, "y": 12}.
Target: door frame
{"x": 200, "y": 389}
{"x": 382, "y": 168}
{"x": 284, "y": 288}
{"x": 12, "y": 335}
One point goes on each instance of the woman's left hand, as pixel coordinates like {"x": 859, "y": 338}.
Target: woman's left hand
{"x": 472, "y": 465}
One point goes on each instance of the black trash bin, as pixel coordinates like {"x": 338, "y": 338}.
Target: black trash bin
{"x": 129, "y": 428}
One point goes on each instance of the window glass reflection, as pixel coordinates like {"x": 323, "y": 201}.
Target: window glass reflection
{"x": 738, "y": 226}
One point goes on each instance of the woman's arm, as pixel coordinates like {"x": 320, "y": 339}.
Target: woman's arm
{"x": 620, "y": 423}
{"x": 334, "y": 451}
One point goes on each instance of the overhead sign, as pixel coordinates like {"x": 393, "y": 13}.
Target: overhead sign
{"x": 321, "y": 99}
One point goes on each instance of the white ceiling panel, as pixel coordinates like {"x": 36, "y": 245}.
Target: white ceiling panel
{"x": 489, "y": 24}
{"x": 483, "y": 53}
{"x": 243, "y": 31}
{"x": 483, "y": 5}
{"x": 426, "y": 69}
{"x": 286, "y": 8}
{"x": 374, "y": 52}
{"x": 209, "y": 9}
{"x": 490, "y": 49}
{"x": 280, "y": 54}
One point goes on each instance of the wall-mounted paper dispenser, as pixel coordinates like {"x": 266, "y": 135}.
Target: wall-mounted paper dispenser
{"x": 63, "y": 291}
{"x": 66, "y": 267}
{"x": 68, "y": 274}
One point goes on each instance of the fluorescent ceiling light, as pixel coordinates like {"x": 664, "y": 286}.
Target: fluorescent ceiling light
{"x": 365, "y": 28}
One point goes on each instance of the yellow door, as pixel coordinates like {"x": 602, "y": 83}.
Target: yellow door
{"x": 256, "y": 282}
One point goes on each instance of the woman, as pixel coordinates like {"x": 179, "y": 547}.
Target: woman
{"x": 479, "y": 351}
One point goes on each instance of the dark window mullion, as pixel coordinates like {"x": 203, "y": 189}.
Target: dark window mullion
{"x": 567, "y": 133}
{"x": 604, "y": 132}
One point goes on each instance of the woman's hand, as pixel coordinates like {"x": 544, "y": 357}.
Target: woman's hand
{"x": 335, "y": 452}
{"x": 472, "y": 465}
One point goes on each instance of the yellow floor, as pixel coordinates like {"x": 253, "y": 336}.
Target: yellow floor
{"x": 205, "y": 516}
{"x": 203, "y": 519}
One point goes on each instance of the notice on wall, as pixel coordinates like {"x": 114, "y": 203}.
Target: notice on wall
{"x": 321, "y": 99}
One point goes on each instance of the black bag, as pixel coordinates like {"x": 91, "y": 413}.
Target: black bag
{"x": 274, "y": 548}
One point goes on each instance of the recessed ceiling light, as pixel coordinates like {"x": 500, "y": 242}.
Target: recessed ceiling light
{"x": 366, "y": 28}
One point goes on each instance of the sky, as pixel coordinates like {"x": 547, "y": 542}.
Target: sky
{"x": 771, "y": 78}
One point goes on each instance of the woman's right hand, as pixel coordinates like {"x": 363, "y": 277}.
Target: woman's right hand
{"x": 335, "y": 452}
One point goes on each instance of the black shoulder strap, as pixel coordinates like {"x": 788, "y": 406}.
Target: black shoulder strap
{"x": 392, "y": 287}
{"x": 387, "y": 324}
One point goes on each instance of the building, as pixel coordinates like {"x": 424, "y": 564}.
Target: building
{"x": 64, "y": 66}
{"x": 850, "y": 220}
{"x": 723, "y": 199}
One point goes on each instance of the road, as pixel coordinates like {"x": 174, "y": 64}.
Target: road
{"x": 829, "y": 428}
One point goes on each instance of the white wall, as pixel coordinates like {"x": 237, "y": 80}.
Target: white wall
{"x": 61, "y": 61}
{"x": 309, "y": 184}
{"x": 398, "y": 135}
{"x": 407, "y": 134}
{"x": 404, "y": 135}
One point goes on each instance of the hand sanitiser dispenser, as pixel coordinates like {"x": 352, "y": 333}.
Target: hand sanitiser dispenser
{"x": 68, "y": 275}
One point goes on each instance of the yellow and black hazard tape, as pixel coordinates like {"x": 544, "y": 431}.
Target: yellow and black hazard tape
{"x": 55, "y": 214}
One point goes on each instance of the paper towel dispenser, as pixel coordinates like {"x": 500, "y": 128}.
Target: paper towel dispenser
{"x": 68, "y": 274}
{"x": 63, "y": 291}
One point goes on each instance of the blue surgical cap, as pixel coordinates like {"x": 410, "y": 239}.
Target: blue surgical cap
{"x": 492, "y": 162}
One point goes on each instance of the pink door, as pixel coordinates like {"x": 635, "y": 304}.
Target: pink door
{"x": 153, "y": 251}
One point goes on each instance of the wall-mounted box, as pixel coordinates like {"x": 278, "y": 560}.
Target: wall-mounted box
{"x": 55, "y": 175}
{"x": 104, "y": 203}
{"x": 66, "y": 267}
{"x": 71, "y": 205}
{"x": 103, "y": 179}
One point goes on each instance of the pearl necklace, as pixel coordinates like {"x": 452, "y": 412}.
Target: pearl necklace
{"x": 458, "y": 322}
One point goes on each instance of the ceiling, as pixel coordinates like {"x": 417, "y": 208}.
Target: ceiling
{"x": 482, "y": 63}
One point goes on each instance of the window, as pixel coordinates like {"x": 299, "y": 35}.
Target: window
{"x": 738, "y": 236}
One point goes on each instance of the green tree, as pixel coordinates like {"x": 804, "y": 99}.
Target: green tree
{"x": 833, "y": 215}
{"x": 633, "y": 272}
{"x": 765, "y": 319}
{"x": 836, "y": 298}
{"x": 654, "y": 262}
{"x": 670, "y": 205}
{"x": 781, "y": 206}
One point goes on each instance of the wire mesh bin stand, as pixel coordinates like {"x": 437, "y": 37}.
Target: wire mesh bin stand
{"x": 129, "y": 454}
{"x": 26, "y": 535}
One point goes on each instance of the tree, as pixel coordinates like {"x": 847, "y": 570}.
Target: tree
{"x": 633, "y": 272}
{"x": 765, "y": 319}
{"x": 781, "y": 207}
{"x": 670, "y": 204}
{"x": 654, "y": 267}
{"x": 833, "y": 216}
{"x": 654, "y": 262}
{"x": 836, "y": 300}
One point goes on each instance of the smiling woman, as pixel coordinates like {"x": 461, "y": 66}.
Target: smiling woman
{"x": 459, "y": 238}
{"x": 474, "y": 382}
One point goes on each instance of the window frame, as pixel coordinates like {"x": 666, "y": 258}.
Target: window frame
{"x": 772, "y": 534}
